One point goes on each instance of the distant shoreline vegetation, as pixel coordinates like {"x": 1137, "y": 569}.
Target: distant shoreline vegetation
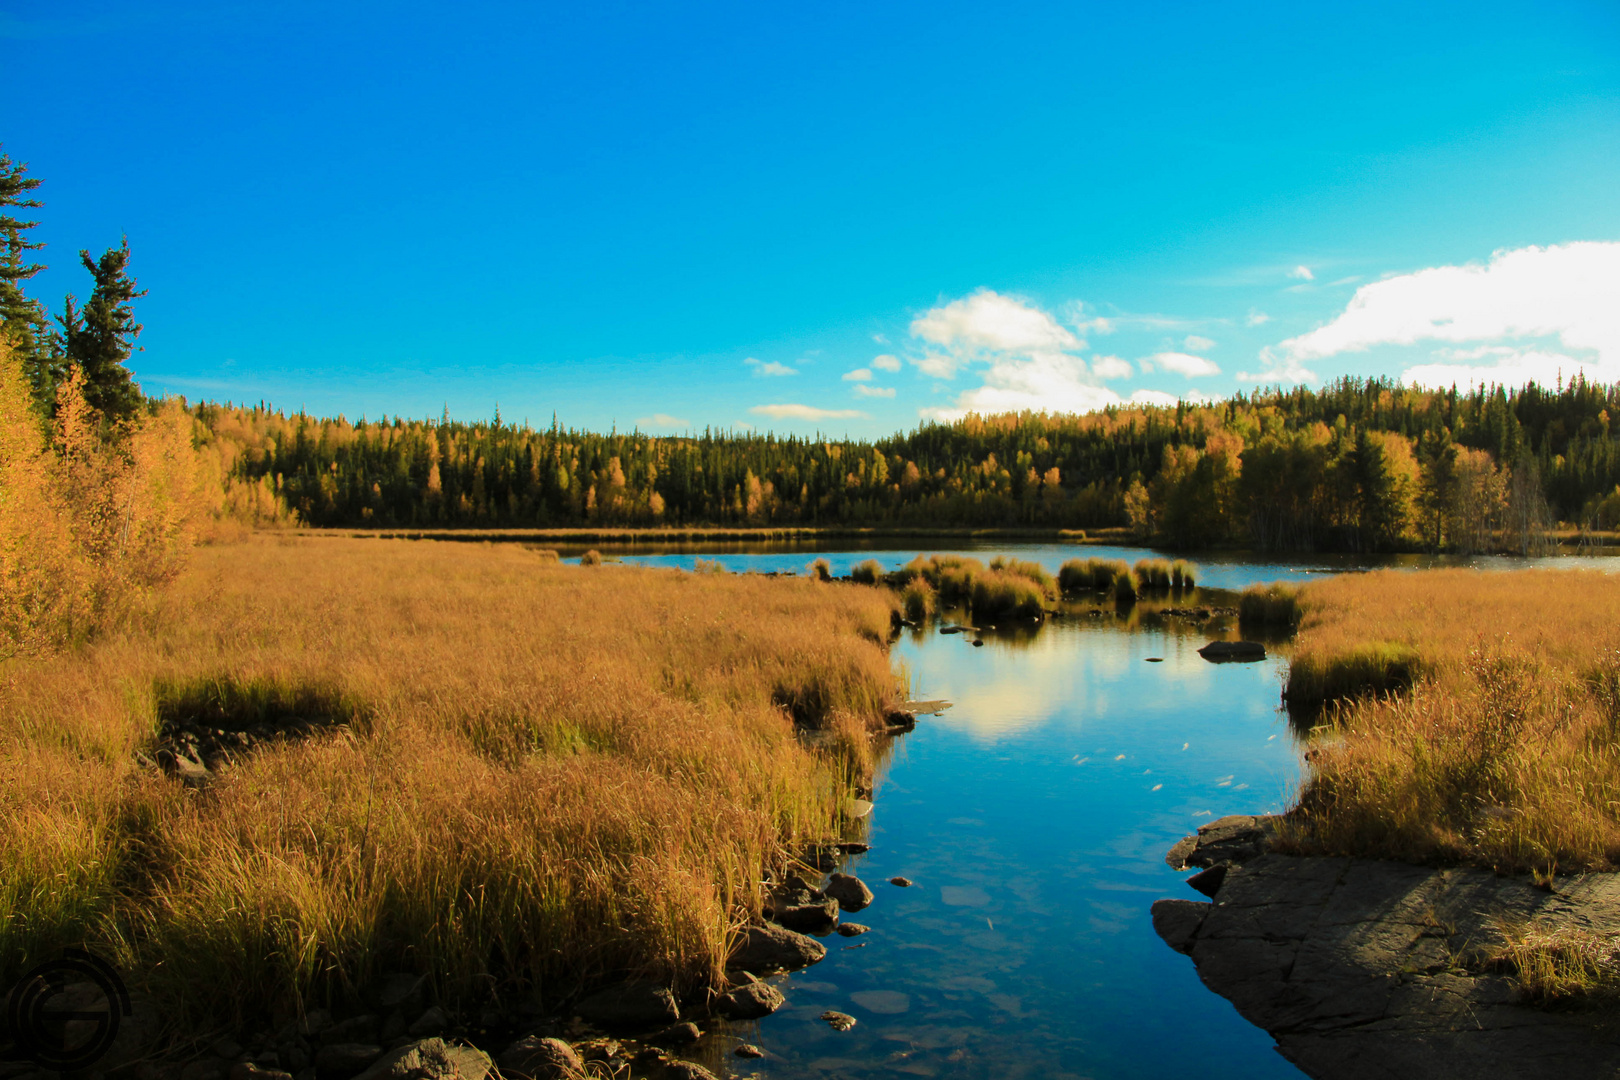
{"x": 1360, "y": 465}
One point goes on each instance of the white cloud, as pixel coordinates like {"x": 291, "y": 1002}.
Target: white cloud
{"x": 862, "y": 390}
{"x": 1303, "y": 273}
{"x": 1513, "y": 367}
{"x": 1047, "y": 382}
{"x": 990, "y": 322}
{"x": 765, "y": 368}
{"x": 804, "y": 412}
{"x": 663, "y": 420}
{"x": 1256, "y": 318}
{"x": 1198, "y": 344}
{"x": 1111, "y": 367}
{"x": 881, "y": 339}
{"x": 886, "y": 362}
{"x": 1153, "y": 397}
{"x": 860, "y": 374}
{"x": 1278, "y": 369}
{"x": 937, "y": 365}
{"x": 1181, "y": 363}
{"x": 1568, "y": 292}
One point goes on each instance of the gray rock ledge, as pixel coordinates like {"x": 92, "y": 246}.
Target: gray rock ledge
{"x": 1355, "y": 966}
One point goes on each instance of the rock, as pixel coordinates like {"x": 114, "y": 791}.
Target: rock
{"x": 850, "y": 892}
{"x": 226, "y": 1048}
{"x": 750, "y": 1001}
{"x": 813, "y": 918}
{"x": 978, "y": 643}
{"x": 358, "y": 1029}
{"x": 540, "y": 1059}
{"x": 687, "y": 1070}
{"x": 899, "y": 718}
{"x": 774, "y": 948}
{"x": 904, "y": 883}
{"x": 1153, "y": 660}
{"x": 431, "y": 1059}
{"x": 631, "y": 1004}
{"x": 1218, "y": 651}
{"x": 838, "y": 1021}
{"x": 1236, "y": 838}
{"x": 748, "y": 1050}
{"x": 852, "y": 929}
{"x": 853, "y": 848}
{"x": 314, "y": 1022}
{"x": 338, "y": 1061}
{"x": 247, "y": 1070}
{"x": 1209, "y": 881}
{"x": 404, "y": 992}
{"x": 1361, "y": 968}
{"x": 1176, "y": 921}
{"x": 682, "y": 1034}
{"x": 393, "y": 1027}
{"x": 432, "y": 1021}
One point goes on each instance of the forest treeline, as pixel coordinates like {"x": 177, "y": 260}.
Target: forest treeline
{"x": 1360, "y": 465}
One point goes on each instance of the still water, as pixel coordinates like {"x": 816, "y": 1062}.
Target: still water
{"x": 1033, "y": 818}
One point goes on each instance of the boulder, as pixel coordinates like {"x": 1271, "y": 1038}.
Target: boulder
{"x": 338, "y": 1061}
{"x": 631, "y": 1004}
{"x": 540, "y": 1059}
{"x": 1209, "y": 881}
{"x": 774, "y": 948}
{"x": 750, "y": 1001}
{"x": 1177, "y": 921}
{"x": 431, "y": 1059}
{"x": 850, "y": 892}
{"x": 432, "y": 1021}
{"x": 358, "y": 1029}
{"x": 814, "y": 918}
{"x": 748, "y": 1050}
{"x": 1217, "y": 651}
{"x": 401, "y": 991}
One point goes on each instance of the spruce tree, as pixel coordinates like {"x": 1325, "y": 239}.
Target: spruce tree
{"x": 23, "y": 319}
{"x": 100, "y": 337}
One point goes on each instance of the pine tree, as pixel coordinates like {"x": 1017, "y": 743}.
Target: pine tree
{"x": 22, "y": 319}
{"x": 100, "y": 338}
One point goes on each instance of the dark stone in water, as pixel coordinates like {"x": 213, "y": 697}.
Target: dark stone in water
{"x": 749, "y": 1001}
{"x": 904, "y": 883}
{"x": 850, "y": 892}
{"x": 854, "y": 849}
{"x": 838, "y": 1021}
{"x": 633, "y": 1004}
{"x": 1155, "y": 660}
{"x": 1218, "y": 651}
{"x": 977, "y": 644}
{"x": 852, "y": 929}
{"x": 812, "y": 918}
{"x": 748, "y": 1050}
{"x": 774, "y": 948}
{"x": 683, "y": 1034}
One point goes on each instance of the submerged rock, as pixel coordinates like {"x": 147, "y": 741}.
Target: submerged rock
{"x": 748, "y": 1050}
{"x": 1218, "y": 651}
{"x": 838, "y": 1021}
{"x": 850, "y": 892}
{"x": 749, "y": 1001}
{"x": 904, "y": 883}
{"x": 631, "y": 1004}
{"x": 774, "y": 948}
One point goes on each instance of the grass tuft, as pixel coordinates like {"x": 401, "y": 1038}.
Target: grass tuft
{"x": 1276, "y": 604}
{"x": 867, "y": 572}
{"x": 821, "y": 570}
{"x": 918, "y": 599}
{"x": 591, "y": 558}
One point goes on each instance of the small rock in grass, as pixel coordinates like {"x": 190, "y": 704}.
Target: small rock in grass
{"x": 540, "y": 1059}
{"x": 816, "y": 918}
{"x": 838, "y": 1021}
{"x": 852, "y": 929}
{"x": 904, "y": 883}
{"x": 226, "y": 1048}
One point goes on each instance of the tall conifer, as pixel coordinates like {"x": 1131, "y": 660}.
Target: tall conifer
{"x": 22, "y": 319}
{"x": 100, "y": 337}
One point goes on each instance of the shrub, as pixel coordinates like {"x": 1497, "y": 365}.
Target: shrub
{"x": 868, "y": 572}
{"x": 1275, "y": 604}
{"x": 918, "y": 599}
{"x": 591, "y": 558}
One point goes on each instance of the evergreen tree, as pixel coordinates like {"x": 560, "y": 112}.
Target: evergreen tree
{"x": 22, "y": 319}
{"x": 100, "y": 338}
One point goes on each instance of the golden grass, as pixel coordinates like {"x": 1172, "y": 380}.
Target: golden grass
{"x": 540, "y": 774}
{"x": 1558, "y": 964}
{"x": 1504, "y": 752}
{"x": 1275, "y": 604}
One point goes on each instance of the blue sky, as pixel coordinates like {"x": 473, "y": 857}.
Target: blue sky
{"x": 843, "y": 218}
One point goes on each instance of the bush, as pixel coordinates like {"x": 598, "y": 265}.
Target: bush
{"x": 869, "y": 572}
{"x": 918, "y": 599}
{"x": 591, "y": 558}
{"x": 1276, "y": 604}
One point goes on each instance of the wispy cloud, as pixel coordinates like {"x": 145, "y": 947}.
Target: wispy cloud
{"x": 862, "y": 390}
{"x": 860, "y": 374}
{"x": 804, "y": 412}
{"x": 1256, "y": 318}
{"x": 769, "y": 368}
{"x": 886, "y": 362}
{"x": 1303, "y": 273}
{"x": 1198, "y": 344}
{"x": 1181, "y": 363}
{"x": 663, "y": 420}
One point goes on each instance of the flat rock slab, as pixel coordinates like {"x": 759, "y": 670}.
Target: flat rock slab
{"x": 1355, "y": 966}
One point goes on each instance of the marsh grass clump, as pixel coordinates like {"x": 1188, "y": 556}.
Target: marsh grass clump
{"x": 1001, "y": 595}
{"x": 821, "y": 570}
{"x": 1029, "y": 569}
{"x": 1486, "y": 730}
{"x": 1183, "y": 575}
{"x": 866, "y": 572}
{"x": 1557, "y": 964}
{"x": 918, "y": 599}
{"x": 547, "y": 554}
{"x": 591, "y": 558}
{"x": 530, "y": 804}
{"x": 951, "y": 576}
{"x": 1125, "y": 588}
{"x": 1276, "y": 604}
{"x": 1153, "y": 575}
{"x": 1092, "y": 575}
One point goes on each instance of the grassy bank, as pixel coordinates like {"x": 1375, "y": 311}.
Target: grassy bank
{"x": 1503, "y": 748}
{"x": 720, "y": 534}
{"x": 502, "y": 771}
